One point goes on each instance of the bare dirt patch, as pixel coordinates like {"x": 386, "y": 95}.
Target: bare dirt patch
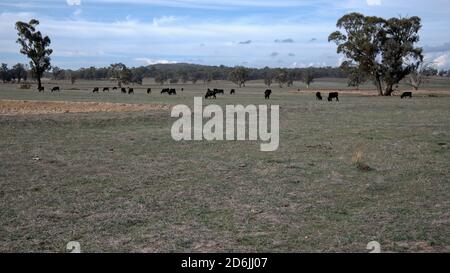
{"x": 26, "y": 107}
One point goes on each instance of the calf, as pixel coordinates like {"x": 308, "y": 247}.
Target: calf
{"x": 210, "y": 94}
{"x": 95, "y": 90}
{"x": 130, "y": 91}
{"x": 218, "y": 91}
{"x": 165, "y": 90}
{"x": 41, "y": 89}
{"x": 149, "y": 90}
{"x": 232, "y": 91}
{"x": 318, "y": 96}
{"x": 106, "y": 89}
{"x": 114, "y": 88}
{"x": 55, "y": 89}
{"x": 267, "y": 94}
{"x": 333, "y": 95}
{"x": 172, "y": 91}
{"x": 123, "y": 90}
{"x": 182, "y": 89}
{"x": 406, "y": 94}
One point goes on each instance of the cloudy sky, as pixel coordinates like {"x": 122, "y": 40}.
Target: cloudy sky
{"x": 255, "y": 33}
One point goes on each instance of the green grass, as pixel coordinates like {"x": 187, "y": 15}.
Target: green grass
{"x": 118, "y": 182}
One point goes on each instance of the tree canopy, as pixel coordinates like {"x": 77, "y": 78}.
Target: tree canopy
{"x": 383, "y": 49}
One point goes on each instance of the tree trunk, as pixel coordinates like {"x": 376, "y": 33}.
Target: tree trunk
{"x": 389, "y": 90}
{"x": 378, "y": 85}
{"x": 38, "y": 77}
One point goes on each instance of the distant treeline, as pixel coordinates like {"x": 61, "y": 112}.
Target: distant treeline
{"x": 183, "y": 73}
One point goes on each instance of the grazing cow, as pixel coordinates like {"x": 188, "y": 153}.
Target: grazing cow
{"x": 41, "y": 89}
{"x": 172, "y": 91}
{"x": 406, "y": 94}
{"x": 106, "y": 89}
{"x": 333, "y": 95}
{"x": 165, "y": 90}
{"x": 130, "y": 91}
{"x": 267, "y": 94}
{"x": 149, "y": 90}
{"x": 232, "y": 91}
{"x": 318, "y": 96}
{"x": 210, "y": 94}
{"x": 95, "y": 90}
{"x": 123, "y": 90}
{"x": 114, "y": 88}
{"x": 218, "y": 91}
{"x": 55, "y": 89}
{"x": 182, "y": 89}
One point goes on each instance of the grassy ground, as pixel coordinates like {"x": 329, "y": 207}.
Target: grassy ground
{"x": 118, "y": 182}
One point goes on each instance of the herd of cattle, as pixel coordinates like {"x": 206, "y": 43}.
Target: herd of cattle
{"x": 210, "y": 94}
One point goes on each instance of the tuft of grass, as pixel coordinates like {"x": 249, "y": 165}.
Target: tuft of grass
{"x": 360, "y": 165}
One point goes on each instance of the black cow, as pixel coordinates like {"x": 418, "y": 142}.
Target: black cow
{"x": 106, "y": 89}
{"x": 114, "y": 88}
{"x": 149, "y": 90}
{"x": 232, "y": 91}
{"x": 41, "y": 89}
{"x": 218, "y": 91}
{"x": 165, "y": 90}
{"x": 172, "y": 91}
{"x": 406, "y": 94}
{"x": 318, "y": 96}
{"x": 130, "y": 91}
{"x": 95, "y": 90}
{"x": 182, "y": 89}
{"x": 55, "y": 89}
{"x": 267, "y": 94}
{"x": 123, "y": 90}
{"x": 210, "y": 94}
{"x": 333, "y": 95}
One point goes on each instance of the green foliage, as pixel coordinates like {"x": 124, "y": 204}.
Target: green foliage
{"x": 35, "y": 47}
{"x": 281, "y": 77}
{"x": 239, "y": 75}
{"x": 383, "y": 49}
{"x": 355, "y": 75}
{"x": 308, "y": 77}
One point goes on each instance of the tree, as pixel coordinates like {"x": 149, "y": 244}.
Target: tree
{"x": 195, "y": 77}
{"x": 417, "y": 76}
{"x": 239, "y": 75}
{"x": 281, "y": 77}
{"x": 57, "y": 72}
{"x": 19, "y": 72}
{"x": 120, "y": 73}
{"x": 34, "y": 46}
{"x": 5, "y": 73}
{"x": 399, "y": 56}
{"x": 308, "y": 77}
{"x": 355, "y": 76}
{"x": 267, "y": 75}
{"x": 383, "y": 49}
{"x": 161, "y": 77}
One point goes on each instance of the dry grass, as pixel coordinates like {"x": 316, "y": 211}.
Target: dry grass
{"x": 24, "y": 107}
{"x": 116, "y": 181}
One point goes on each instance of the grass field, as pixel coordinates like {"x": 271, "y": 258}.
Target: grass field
{"x": 116, "y": 181}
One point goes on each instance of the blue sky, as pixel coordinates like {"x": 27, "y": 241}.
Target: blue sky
{"x": 255, "y": 33}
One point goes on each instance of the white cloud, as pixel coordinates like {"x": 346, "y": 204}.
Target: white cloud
{"x": 149, "y": 61}
{"x": 374, "y": 2}
{"x": 77, "y": 12}
{"x": 73, "y": 2}
{"x": 164, "y": 20}
{"x": 442, "y": 61}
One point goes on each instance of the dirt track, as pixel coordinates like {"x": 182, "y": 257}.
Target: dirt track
{"x": 26, "y": 107}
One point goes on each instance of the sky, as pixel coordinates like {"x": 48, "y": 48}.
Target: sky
{"x": 252, "y": 33}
